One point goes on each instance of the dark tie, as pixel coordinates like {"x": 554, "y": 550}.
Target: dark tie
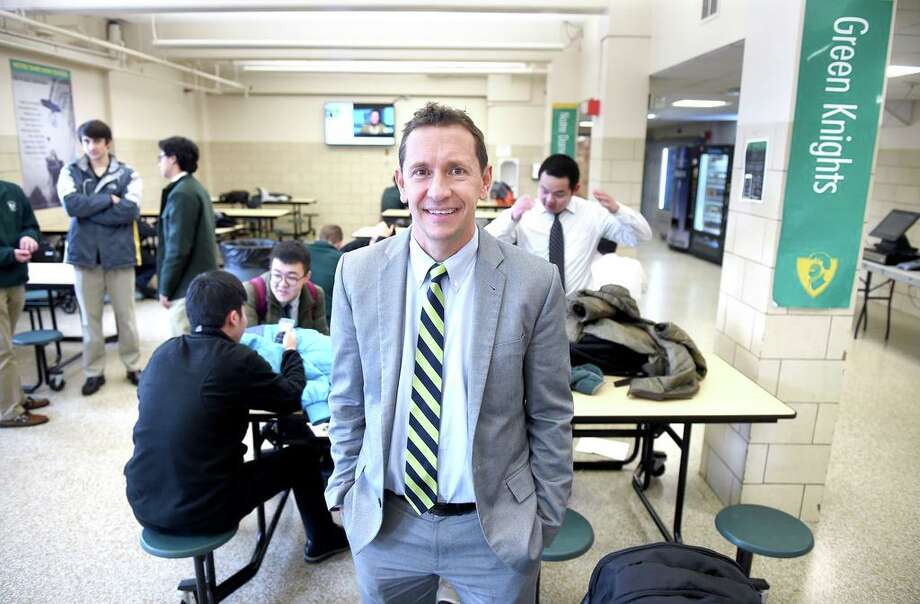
{"x": 287, "y": 310}
{"x": 557, "y": 248}
{"x": 425, "y": 405}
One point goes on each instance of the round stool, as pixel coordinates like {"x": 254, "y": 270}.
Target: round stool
{"x": 199, "y": 547}
{"x": 39, "y": 338}
{"x": 757, "y": 529}
{"x": 574, "y": 538}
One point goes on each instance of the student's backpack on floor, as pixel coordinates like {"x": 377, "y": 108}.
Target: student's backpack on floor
{"x": 671, "y": 573}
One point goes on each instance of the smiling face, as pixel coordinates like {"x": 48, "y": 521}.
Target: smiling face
{"x": 287, "y": 280}
{"x": 441, "y": 180}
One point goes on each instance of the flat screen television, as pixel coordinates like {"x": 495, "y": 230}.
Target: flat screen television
{"x": 359, "y": 123}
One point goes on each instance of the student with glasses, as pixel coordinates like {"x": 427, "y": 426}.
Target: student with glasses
{"x": 285, "y": 291}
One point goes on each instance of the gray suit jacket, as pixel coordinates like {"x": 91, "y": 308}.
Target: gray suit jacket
{"x": 519, "y": 406}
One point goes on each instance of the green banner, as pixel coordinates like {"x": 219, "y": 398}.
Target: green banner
{"x": 837, "y": 104}
{"x": 565, "y": 129}
{"x": 42, "y": 70}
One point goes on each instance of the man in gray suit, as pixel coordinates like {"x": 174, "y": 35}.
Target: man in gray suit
{"x": 450, "y": 400}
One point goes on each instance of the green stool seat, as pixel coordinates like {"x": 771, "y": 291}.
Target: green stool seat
{"x": 757, "y": 529}
{"x": 575, "y": 537}
{"x": 175, "y": 546}
{"x": 38, "y": 337}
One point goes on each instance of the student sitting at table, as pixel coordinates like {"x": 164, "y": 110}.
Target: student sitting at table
{"x": 187, "y": 475}
{"x": 286, "y": 291}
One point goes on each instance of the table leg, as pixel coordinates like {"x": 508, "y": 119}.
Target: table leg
{"x": 681, "y": 483}
{"x": 888, "y": 319}
{"x": 863, "y": 312}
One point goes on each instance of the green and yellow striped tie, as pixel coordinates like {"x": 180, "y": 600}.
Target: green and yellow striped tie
{"x": 425, "y": 406}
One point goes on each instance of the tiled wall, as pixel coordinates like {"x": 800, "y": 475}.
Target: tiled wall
{"x": 347, "y": 182}
{"x": 795, "y": 354}
{"x": 896, "y": 185}
{"x": 616, "y": 167}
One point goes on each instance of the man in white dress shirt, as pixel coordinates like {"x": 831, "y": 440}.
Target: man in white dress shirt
{"x": 565, "y": 229}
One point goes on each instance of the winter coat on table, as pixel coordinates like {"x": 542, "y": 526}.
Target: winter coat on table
{"x": 316, "y": 351}
{"x": 605, "y": 327}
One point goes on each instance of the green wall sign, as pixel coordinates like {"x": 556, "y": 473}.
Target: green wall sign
{"x": 565, "y": 129}
{"x": 837, "y": 104}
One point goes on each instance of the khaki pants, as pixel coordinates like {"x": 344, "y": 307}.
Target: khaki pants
{"x": 11, "y": 303}
{"x": 91, "y": 286}
{"x": 178, "y": 320}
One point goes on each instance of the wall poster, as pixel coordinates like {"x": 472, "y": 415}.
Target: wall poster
{"x": 755, "y": 163}
{"x": 43, "y": 104}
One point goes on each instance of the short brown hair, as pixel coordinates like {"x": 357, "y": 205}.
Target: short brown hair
{"x": 331, "y": 233}
{"x": 433, "y": 114}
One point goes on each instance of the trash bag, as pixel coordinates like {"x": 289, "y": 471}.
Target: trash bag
{"x": 247, "y": 258}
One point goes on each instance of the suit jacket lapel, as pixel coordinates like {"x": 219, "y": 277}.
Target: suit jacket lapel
{"x": 391, "y": 310}
{"x": 487, "y": 299}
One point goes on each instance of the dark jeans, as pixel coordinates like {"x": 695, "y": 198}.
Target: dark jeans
{"x": 295, "y": 467}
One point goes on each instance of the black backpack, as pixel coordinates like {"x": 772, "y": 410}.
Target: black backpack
{"x": 671, "y": 573}
{"x": 235, "y": 197}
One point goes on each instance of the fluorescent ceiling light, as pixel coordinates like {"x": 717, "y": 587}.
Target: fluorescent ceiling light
{"x": 896, "y": 71}
{"x": 355, "y": 44}
{"x": 652, "y": 116}
{"x": 586, "y": 124}
{"x": 698, "y": 103}
{"x": 389, "y": 67}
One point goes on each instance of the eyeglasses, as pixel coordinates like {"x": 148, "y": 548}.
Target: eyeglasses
{"x": 288, "y": 278}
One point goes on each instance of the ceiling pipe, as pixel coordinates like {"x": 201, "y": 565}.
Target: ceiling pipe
{"x": 120, "y": 49}
{"x": 71, "y": 54}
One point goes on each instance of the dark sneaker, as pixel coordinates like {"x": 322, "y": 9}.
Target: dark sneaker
{"x": 134, "y": 376}
{"x": 24, "y": 420}
{"x": 92, "y": 384}
{"x": 314, "y": 553}
{"x": 31, "y": 404}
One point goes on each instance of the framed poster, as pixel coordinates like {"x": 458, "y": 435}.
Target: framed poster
{"x": 43, "y": 104}
{"x": 755, "y": 163}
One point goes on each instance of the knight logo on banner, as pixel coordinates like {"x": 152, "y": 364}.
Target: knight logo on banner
{"x": 816, "y": 272}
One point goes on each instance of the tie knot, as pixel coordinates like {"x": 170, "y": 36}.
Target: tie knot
{"x": 437, "y": 272}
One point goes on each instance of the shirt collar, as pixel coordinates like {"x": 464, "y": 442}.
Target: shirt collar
{"x": 569, "y": 208}
{"x": 177, "y": 177}
{"x": 459, "y": 266}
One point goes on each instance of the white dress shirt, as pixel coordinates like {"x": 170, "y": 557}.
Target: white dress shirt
{"x": 455, "y": 461}
{"x": 584, "y": 224}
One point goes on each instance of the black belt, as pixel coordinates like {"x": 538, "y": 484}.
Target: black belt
{"x": 443, "y": 509}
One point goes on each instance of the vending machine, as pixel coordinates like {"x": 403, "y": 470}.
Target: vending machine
{"x": 711, "y": 186}
{"x": 679, "y": 190}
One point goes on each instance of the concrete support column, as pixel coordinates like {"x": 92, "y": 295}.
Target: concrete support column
{"x": 618, "y": 136}
{"x": 796, "y": 354}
